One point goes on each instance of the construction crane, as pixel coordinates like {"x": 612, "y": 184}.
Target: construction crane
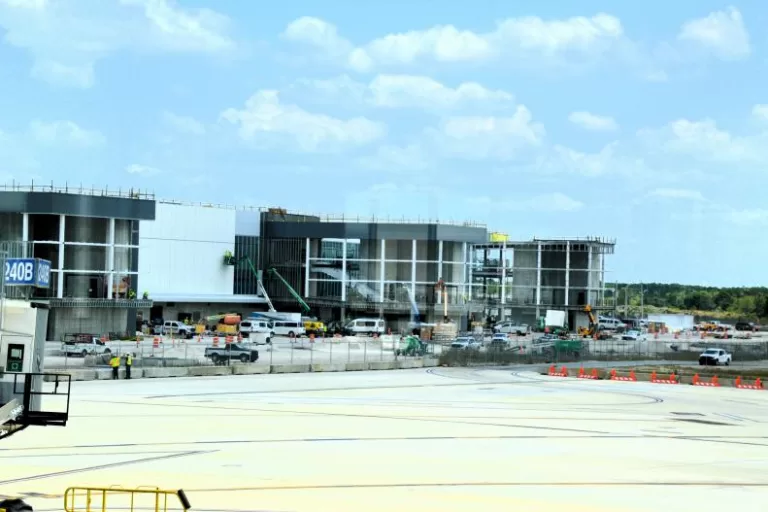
{"x": 304, "y": 306}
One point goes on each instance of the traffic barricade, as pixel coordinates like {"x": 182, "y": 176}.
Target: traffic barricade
{"x": 631, "y": 377}
{"x": 671, "y": 380}
{"x": 741, "y": 385}
{"x": 584, "y": 375}
{"x": 712, "y": 383}
{"x": 554, "y": 373}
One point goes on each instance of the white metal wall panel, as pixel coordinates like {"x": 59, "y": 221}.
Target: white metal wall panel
{"x": 182, "y": 250}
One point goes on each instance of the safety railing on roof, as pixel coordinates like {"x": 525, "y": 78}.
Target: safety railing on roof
{"x": 127, "y": 193}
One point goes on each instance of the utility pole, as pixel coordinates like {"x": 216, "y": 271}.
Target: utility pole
{"x": 642, "y": 301}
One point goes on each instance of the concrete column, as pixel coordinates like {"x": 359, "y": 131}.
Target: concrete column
{"x": 413, "y": 269}
{"x": 538, "y": 280}
{"x": 567, "y": 272}
{"x": 111, "y": 258}
{"x": 440, "y": 268}
{"x": 602, "y": 277}
{"x": 382, "y": 268}
{"x": 589, "y": 275}
{"x": 466, "y": 274}
{"x": 62, "y": 232}
{"x": 306, "y": 266}
{"x": 25, "y": 236}
{"x": 503, "y": 263}
{"x": 344, "y": 270}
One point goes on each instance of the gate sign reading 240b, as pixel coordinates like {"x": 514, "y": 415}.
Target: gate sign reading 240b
{"x": 28, "y": 272}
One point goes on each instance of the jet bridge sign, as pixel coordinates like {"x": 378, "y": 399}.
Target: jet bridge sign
{"x": 27, "y": 272}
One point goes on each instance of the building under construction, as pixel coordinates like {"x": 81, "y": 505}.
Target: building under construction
{"x": 521, "y": 280}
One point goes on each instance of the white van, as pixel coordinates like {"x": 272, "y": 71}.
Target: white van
{"x": 610, "y": 324}
{"x": 249, "y": 326}
{"x": 369, "y": 326}
{"x": 288, "y": 328}
{"x": 258, "y": 331}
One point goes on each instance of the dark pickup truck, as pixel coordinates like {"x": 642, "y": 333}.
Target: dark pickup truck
{"x": 231, "y": 352}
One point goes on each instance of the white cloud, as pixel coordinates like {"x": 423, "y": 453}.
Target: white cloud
{"x": 552, "y": 202}
{"x": 705, "y": 141}
{"x": 478, "y": 137}
{"x": 194, "y": 30}
{"x": 760, "y": 112}
{"x": 142, "y": 170}
{"x": 184, "y": 124}
{"x": 65, "y": 133}
{"x": 577, "y": 162}
{"x": 594, "y": 122}
{"x": 525, "y": 36}
{"x": 678, "y": 193}
{"x": 67, "y": 38}
{"x": 264, "y": 118}
{"x": 721, "y": 32}
{"x": 411, "y": 91}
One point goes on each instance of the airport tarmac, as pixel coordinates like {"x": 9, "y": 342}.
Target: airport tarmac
{"x": 445, "y": 439}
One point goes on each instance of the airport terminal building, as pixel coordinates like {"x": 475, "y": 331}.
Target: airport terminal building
{"x": 119, "y": 257}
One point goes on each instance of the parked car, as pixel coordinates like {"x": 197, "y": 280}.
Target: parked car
{"x": 83, "y": 345}
{"x": 714, "y": 357}
{"x": 178, "y": 329}
{"x": 466, "y": 343}
{"x": 634, "y": 335}
{"x": 232, "y": 351}
{"x": 511, "y": 328}
{"x": 745, "y": 326}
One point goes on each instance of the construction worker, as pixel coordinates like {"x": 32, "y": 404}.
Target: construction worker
{"x": 128, "y": 364}
{"x": 115, "y": 364}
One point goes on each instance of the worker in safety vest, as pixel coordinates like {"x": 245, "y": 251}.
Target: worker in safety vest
{"x": 115, "y": 364}
{"x": 128, "y": 364}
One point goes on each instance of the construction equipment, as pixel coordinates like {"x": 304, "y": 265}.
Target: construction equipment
{"x": 304, "y": 306}
{"x": 226, "y": 323}
{"x": 411, "y": 346}
{"x": 594, "y": 327}
{"x": 93, "y": 499}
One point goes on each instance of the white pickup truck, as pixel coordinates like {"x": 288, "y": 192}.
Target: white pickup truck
{"x": 714, "y": 357}
{"x": 84, "y": 347}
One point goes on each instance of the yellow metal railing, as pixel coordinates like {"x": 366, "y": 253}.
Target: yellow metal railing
{"x": 143, "y": 498}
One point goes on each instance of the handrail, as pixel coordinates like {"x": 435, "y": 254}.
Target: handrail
{"x": 93, "y": 492}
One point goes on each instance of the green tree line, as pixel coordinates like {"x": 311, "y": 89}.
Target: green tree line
{"x": 748, "y": 304}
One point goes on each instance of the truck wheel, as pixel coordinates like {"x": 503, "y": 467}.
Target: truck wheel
{"x": 244, "y": 358}
{"x": 216, "y": 359}
{"x": 291, "y": 334}
{"x": 15, "y": 505}
{"x": 107, "y": 351}
{"x": 84, "y": 353}
{"x": 727, "y": 363}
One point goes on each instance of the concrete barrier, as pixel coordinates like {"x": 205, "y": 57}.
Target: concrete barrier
{"x": 382, "y": 365}
{"x": 160, "y": 373}
{"x": 289, "y": 368}
{"x": 328, "y": 367}
{"x": 410, "y": 363}
{"x": 250, "y": 369}
{"x": 208, "y": 371}
{"x": 355, "y": 367}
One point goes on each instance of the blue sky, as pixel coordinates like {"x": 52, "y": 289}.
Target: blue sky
{"x": 646, "y": 122}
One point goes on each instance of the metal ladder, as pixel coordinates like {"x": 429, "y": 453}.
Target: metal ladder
{"x": 141, "y": 498}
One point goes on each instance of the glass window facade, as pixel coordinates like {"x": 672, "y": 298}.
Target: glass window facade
{"x": 246, "y": 282}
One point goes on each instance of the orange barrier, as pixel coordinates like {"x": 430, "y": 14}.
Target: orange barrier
{"x": 671, "y": 380}
{"x": 757, "y": 385}
{"x": 584, "y": 375}
{"x": 156, "y": 342}
{"x": 713, "y": 382}
{"x": 215, "y": 341}
{"x": 239, "y": 336}
{"x": 228, "y": 340}
{"x": 554, "y": 373}
{"x": 312, "y": 338}
{"x": 632, "y": 377}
